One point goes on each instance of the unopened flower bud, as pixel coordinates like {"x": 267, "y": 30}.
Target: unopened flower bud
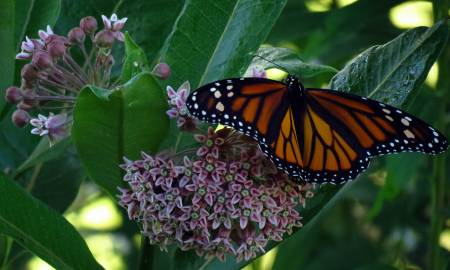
{"x": 20, "y": 118}
{"x": 77, "y": 35}
{"x": 13, "y": 94}
{"x": 162, "y": 71}
{"x": 41, "y": 60}
{"x": 29, "y": 72}
{"x": 104, "y": 39}
{"x": 88, "y": 24}
{"x": 56, "y": 46}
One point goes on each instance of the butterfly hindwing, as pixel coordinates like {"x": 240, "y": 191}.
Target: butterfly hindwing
{"x": 377, "y": 127}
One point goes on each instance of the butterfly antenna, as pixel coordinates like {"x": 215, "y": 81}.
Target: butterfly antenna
{"x": 275, "y": 64}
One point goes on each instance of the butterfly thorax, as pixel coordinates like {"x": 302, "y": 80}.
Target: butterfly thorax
{"x": 294, "y": 85}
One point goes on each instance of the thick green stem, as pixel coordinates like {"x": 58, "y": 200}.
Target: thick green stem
{"x": 146, "y": 255}
{"x": 439, "y": 181}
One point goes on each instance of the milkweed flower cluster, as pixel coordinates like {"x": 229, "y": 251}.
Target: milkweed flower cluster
{"x": 223, "y": 197}
{"x": 53, "y": 78}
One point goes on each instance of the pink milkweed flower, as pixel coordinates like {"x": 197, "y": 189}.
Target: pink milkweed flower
{"x": 55, "y": 126}
{"x": 224, "y": 198}
{"x": 178, "y": 110}
{"x": 115, "y": 24}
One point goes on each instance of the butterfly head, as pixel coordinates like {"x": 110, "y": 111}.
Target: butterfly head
{"x": 294, "y": 83}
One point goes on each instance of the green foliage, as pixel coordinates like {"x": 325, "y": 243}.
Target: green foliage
{"x": 389, "y": 73}
{"x": 135, "y": 60}
{"x": 290, "y": 61}
{"x": 41, "y": 230}
{"x": 110, "y": 125}
{"x": 207, "y": 40}
{"x": 216, "y": 39}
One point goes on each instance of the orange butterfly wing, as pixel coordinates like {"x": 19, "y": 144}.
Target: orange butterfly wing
{"x": 321, "y": 135}
{"x": 251, "y": 105}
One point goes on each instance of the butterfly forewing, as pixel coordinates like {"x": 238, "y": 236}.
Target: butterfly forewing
{"x": 251, "y": 105}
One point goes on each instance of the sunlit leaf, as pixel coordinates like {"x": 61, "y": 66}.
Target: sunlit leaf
{"x": 290, "y": 61}
{"x": 395, "y": 70}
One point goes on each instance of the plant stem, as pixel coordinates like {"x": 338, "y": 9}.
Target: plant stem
{"x": 9, "y": 242}
{"x": 34, "y": 176}
{"x": 146, "y": 255}
{"x": 438, "y": 185}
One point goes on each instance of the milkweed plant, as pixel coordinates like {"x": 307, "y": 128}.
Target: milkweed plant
{"x": 185, "y": 185}
{"x": 221, "y": 196}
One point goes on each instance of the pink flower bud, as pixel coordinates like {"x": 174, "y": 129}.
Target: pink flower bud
{"x": 20, "y": 118}
{"x": 13, "y": 94}
{"x": 104, "y": 39}
{"x": 29, "y": 72}
{"x": 88, "y": 24}
{"x": 56, "y": 46}
{"x": 162, "y": 71}
{"x": 76, "y": 35}
{"x": 41, "y": 60}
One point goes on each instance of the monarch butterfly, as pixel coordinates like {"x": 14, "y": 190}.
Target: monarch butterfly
{"x": 317, "y": 135}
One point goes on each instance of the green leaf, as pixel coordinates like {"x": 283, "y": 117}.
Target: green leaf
{"x": 135, "y": 60}
{"x": 16, "y": 144}
{"x": 217, "y": 39}
{"x": 7, "y": 47}
{"x": 131, "y": 120}
{"x": 31, "y": 16}
{"x": 290, "y": 61}
{"x": 58, "y": 180}
{"x": 44, "y": 152}
{"x": 149, "y": 22}
{"x": 395, "y": 70}
{"x": 41, "y": 230}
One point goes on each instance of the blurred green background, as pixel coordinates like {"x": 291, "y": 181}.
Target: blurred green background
{"x": 381, "y": 221}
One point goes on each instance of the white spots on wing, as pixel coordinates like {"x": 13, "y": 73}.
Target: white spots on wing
{"x": 196, "y": 106}
{"x": 217, "y": 94}
{"x": 229, "y": 87}
{"x": 389, "y": 118}
{"x": 217, "y": 84}
{"x": 220, "y": 107}
{"x": 409, "y": 134}
{"x": 230, "y": 94}
{"x": 203, "y": 112}
{"x": 226, "y": 116}
{"x": 436, "y": 140}
{"x": 229, "y": 81}
{"x": 194, "y": 98}
{"x": 435, "y": 133}
{"x": 392, "y": 144}
{"x": 386, "y": 111}
{"x": 430, "y": 145}
{"x": 405, "y": 121}
{"x": 212, "y": 89}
